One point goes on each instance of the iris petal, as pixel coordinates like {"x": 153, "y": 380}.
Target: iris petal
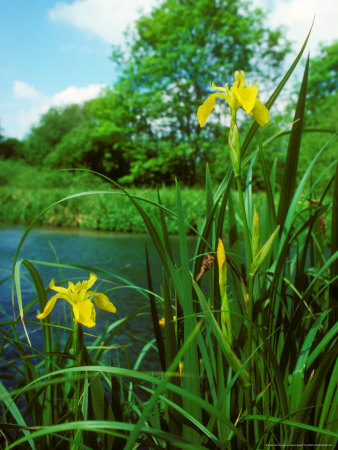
{"x": 219, "y": 88}
{"x": 204, "y": 110}
{"x": 84, "y": 313}
{"x": 260, "y": 113}
{"x": 91, "y": 280}
{"x": 103, "y": 302}
{"x": 57, "y": 288}
{"x": 48, "y": 308}
{"x": 246, "y": 97}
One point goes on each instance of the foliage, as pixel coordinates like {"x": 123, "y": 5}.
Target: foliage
{"x": 53, "y": 126}
{"x": 25, "y": 191}
{"x": 248, "y": 352}
{"x": 11, "y": 148}
{"x": 97, "y": 141}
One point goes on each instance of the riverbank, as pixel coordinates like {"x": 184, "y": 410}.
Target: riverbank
{"x": 26, "y": 191}
{"x": 110, "y": 211}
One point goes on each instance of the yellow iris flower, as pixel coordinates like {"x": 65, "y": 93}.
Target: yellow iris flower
{"x": 78, "y": 296}
{"x": 238, "y": 96}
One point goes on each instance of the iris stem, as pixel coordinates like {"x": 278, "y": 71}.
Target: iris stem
{"x": 248, "y": 251}
{"x": 76, "y": 399}
{"x": 248, "y": 256}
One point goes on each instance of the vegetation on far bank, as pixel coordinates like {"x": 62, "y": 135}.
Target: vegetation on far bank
{"x": 26, "y": 191}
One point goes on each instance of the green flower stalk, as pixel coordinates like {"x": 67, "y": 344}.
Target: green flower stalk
{"x": 256, "y": 235}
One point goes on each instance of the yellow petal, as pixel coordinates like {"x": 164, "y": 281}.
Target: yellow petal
{"x": 205, "y": 109}
{"x": 87, "y": 284}
{"x": 239, "y": 79}
{"x": 48, "y": 308}
{"x": 208, "y": 105}
{"x": 219, "y": 88}
{"x": 246, "y": 97}
{"x": 260, "y": 113}
{"x": 80, "y": 296}
{"x": 84, "y": 312}
{"x": 77, "y": 287}
{"x": 92, "y": 279}
{"x": 103, "y": 302}
{"x": 56, "y": 288}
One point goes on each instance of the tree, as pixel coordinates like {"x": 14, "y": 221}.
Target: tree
{"x": 53, "y": 126}
{"x": 89, "y": 136}
{"x": 172, "y": 56}
{"x": 11, "y": 148}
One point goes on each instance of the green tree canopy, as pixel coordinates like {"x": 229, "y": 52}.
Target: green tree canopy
{"x": 52, "y": 128}
{"x": 90, "y": 136}
{"x": 11, "y": 148}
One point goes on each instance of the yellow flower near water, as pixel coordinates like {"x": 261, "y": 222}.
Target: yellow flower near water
{"x": 238, "y": 96}
{"x": 78, "y": 296}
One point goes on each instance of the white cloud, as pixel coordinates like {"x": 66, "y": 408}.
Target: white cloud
{"x": 37, "y": 103}
{"x": 297, "y": 16}
{"x": 107, "y": 19}
{"x": 75, "y": 94}
{"x": 24, "y": 91}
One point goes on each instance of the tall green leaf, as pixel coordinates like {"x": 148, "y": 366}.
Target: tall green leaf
{"x": 334, "y": 247}
{"x": 291, "y": 163}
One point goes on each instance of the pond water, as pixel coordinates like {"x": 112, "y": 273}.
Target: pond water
{"x": 120, "y": 254}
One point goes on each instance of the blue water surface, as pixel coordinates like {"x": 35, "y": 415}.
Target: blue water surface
{"x": 123, "y": 255}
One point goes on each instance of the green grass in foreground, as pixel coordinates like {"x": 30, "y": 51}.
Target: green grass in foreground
{"x": 248, "y": 349}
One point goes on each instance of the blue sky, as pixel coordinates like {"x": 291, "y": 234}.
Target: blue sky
{"x": 57, "y": 52}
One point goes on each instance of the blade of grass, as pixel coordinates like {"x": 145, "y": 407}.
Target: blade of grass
{"x": 191, "y": 368}
{"x": 15, "y": 412}
{"x": 297, "y": 378}
{"x": 161, "y": 387}
{"x": 291, "y": 163}
{"x": 154, "y": 314}
{"x": 170, "y": 341}
{"x": 334, "y": 248}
